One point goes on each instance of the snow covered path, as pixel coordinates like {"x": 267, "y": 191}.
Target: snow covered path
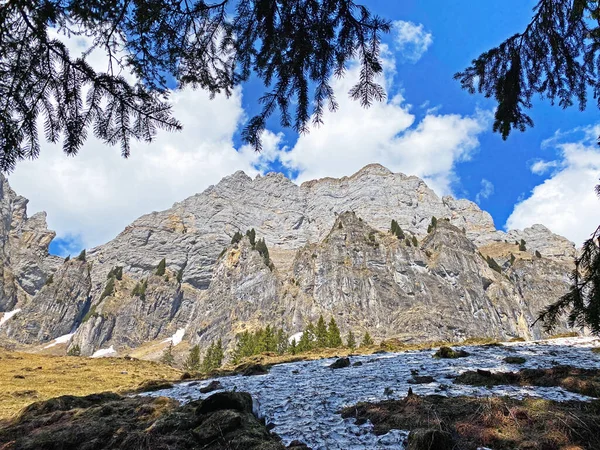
{"x": 302, "y": 399}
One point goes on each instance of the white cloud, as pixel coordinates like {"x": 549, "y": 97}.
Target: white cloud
{"x": 385, "y": 133}
{"x": 541, "y": 167}
{"x": 411, "y": 40}
{"x": 97, "y": 193}
{"x": 487, "y": 189}
{"x": 565, "y": 202}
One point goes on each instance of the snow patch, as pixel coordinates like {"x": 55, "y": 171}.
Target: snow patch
{"x": 8, "y": 315}
{"x": 104, "y": 352}
{"x": 176, "y": 338}
{"x": 296, "y": 336}
{"x": 302, "y": 399}
{"x": 60, "y": 340}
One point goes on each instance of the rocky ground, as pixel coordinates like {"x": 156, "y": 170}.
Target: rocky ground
{"x": 109, "y": 421}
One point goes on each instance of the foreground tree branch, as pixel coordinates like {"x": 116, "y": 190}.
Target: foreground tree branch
{"x": 293, "y": 46}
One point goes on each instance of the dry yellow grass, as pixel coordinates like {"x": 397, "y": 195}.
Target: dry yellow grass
{"x": 27, "y": 377}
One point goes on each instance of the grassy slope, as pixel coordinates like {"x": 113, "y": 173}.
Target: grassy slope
{"x": 27, "y": 377}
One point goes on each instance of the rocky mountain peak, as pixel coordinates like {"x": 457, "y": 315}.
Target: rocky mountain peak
{"x": 321, "y": 248}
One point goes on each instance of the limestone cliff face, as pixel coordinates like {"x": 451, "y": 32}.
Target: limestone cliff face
{"x": 24, "y": 261}
{"x": 331, "y": 254}
{"x": 56, "y": 309}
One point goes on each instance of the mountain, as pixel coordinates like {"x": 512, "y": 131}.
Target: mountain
{"x": 330, "y": 252}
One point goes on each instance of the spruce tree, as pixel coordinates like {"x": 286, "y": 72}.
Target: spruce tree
{"x": 306, "y": 343}
{"x": 334, "y": 340}
{"x": 160, "y": 270}
{"x": 237, "y": 237}
{"x": 139, "y": 290}
{"x": 81, "y": 256}
{"x": 193, "y": 363}
{"x": 351, "y": 340}
{"x": 213, "y": 357}
{"x": 109, "y": 288}
{"x": 262, "y": 249}
{"x": 68, "y": 258}
{"x": 415, "y": 242}
{"x": 367, "y": 340}
{"x": 252, "y": 237}
{"x": 219, "y": 354}
{"x": 244, "y": 347}
{"x": 167, "y": 356}
{"x": 282, "y": 341}
{"x": 293, "y": 348}
{"x": 538, "y": 254}
{"x": 321, "y": 333}
{"x": 522, "y": 247}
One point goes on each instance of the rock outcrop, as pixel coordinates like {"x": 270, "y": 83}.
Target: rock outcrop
{"x": 330, "y": 253}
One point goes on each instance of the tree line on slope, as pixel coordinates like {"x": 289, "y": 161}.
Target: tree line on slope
{"x": 265, "y": 340}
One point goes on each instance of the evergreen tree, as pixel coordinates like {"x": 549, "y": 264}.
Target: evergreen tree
{"x": 538, "y": 254}
{"x": 213, "y": 357}
{"x": 582, "y": 303}
{"x": 162, "y": 266}
{"x": 415, "y": 242}
{"x": 219, "y": 353}
{"x": 512, "y": 259}
{"x": 282, "y": 341}
{"x": 321, "y": 333}
{"x": 367, "y": 340}
{"x": 167, "y": 356}
{"x": 493, "y": 264}
{"x": 293, "y": 48}
{"x": 115, "y": 272}
{"x": 334, "y": 339}
{"x": 351, "y": 340}
{"x": 396, "y": 230}
{"x": 407, "y": 242}
{"x": 432, "y": 225}
{"x": 244, "y": 347}
{"x": 252, "y": 237}
{"x": 50, "y": 280}
{"x": 139, "y": 290}
{"x": 262, "y": 249}
{"x": 237, "y": 237}
{"x": 68, "y": 258}
{"x": 109, "y": 288}
{"x": 522, "y": 247}
{"x": 192, "y": 362}
{"x": 293, "y": 348}
{"x": 81, "y": 256}
{"x": 306, "y": 342}
{"x": 269, "y": 340}
{"x": 180, "y": 275}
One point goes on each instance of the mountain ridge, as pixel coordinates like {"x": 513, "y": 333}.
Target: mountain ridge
{"x": 369, "y": 280}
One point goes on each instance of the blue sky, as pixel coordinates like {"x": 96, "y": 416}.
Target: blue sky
{"x": 534, "y": 177}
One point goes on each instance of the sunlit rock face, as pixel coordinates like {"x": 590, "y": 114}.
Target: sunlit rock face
{"x": 331, "y": 253}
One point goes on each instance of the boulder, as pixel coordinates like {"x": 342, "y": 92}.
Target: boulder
{"x": 212, "y": 386}
{"x": 340, "y": 363}
{"x": 237, "y": 401}
{"x": 448, "y": 353}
